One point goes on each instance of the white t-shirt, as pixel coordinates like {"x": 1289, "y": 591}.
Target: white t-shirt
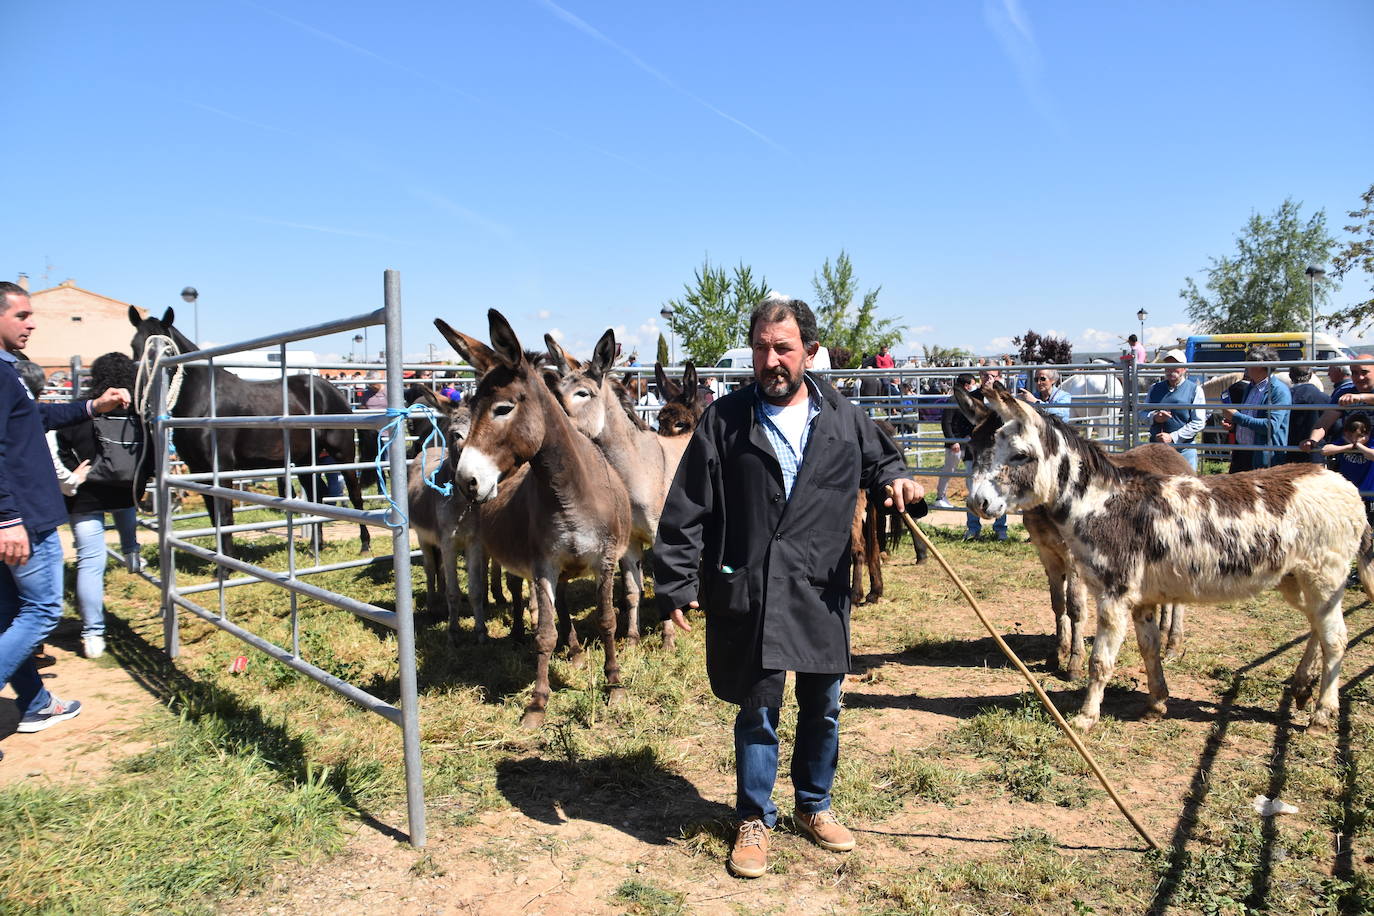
{"x": 790, "y": 421}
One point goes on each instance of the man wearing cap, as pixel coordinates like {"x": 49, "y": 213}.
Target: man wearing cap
{"x": 1174, "y": 408}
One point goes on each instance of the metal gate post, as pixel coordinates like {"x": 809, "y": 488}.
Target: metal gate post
{"x": 162, "y": 440}
{"x": 1131, "y": 383}
{"x": 400, "y": 551}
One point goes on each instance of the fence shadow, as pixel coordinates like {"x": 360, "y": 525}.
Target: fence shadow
{"x": 1176, "y": 860}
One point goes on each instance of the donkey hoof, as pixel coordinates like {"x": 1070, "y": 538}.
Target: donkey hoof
{"x": 1083, "y": 722}
{"x": 669, "y": 642}
{"x": 1153, "y": 713}
{"x": 1074, "y": 672}
{"x": 532, "y": 719}
{"x": 632, "y": 639}
{"x": 616, "y": 696}
{"x": 873, "y": 598}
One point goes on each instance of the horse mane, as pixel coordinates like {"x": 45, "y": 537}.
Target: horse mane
{"x": 627, "y": 403}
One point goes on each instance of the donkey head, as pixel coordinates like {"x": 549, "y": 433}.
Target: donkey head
{"x": 507, "y": 425}
{"x": 585, "y": 389}
{"x": 1014, "y": 449}
{"x": 681, "y": 408}
{"x": 154, "y": 327}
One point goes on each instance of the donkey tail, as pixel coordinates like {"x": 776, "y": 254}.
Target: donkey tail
{"x": 1364, "y": 562}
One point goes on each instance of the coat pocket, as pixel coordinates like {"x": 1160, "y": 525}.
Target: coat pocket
{"x": 727, "y": 592}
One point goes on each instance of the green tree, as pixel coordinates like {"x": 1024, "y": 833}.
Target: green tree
{"x": 713, "y": 314}
{"x": 1263, "y": 287}
{"x": 1357, "y": 253}
{"x": 859, "y": 331}
{"x": 663, "y": 357}
{"x": 1042, "y": 348}
{"x": 936, "y": 355}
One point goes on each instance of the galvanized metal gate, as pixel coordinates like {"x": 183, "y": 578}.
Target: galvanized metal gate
{"x": 299, "y": 512}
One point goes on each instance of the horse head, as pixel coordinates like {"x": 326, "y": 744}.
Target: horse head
{"x": 145, "y": 328}
{"x": 508, "y": 409}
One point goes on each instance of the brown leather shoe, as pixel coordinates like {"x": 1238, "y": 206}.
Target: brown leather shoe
{"x": 825, "y": 830}
{"x": 749, "y": 857}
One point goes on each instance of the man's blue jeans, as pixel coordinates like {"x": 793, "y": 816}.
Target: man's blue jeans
{"x": 88, "y": 532}
{"x": 814, "y": 757}
{"x": 30, "y": 607}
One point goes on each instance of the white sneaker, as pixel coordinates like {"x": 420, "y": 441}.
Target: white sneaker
{"x": 943, "y": 503}
{"x": 93, "y": 646}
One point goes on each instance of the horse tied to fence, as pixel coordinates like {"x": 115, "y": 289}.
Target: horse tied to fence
{"x": 247, "y": 449}
{"x": 1141, "y": 539}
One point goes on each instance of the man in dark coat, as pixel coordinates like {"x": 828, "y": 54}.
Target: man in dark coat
{"x": 756, "y": 526}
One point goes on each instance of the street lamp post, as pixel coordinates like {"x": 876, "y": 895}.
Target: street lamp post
{"x": 357, "y": 339}
{"x": 1314, "y": 273}
{"x": 1142, "y": 315}
{"x": 190, "y": 295}
{"x": 666, "y": 313}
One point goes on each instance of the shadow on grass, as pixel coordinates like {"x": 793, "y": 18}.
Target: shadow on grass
{"x": 240, "y": 727}
{"x": 1177, "y": 859}
{"x": 632, "y": 792}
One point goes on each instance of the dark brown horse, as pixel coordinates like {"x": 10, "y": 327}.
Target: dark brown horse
{"x": 551, "y": 508}
{"x": 246, "y": 449}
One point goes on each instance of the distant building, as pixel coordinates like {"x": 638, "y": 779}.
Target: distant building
{"x": 76, "y": 322}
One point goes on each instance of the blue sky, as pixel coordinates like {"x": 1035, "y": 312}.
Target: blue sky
{"x": 994, "y": 166}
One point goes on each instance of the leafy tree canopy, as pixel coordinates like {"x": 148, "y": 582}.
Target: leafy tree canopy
{"x": 713, "y": 314}
{"x": 1263, "y": 286}
{"x": 1357, "y": 254}
{"x": 936, "y": 355}
{"x": 1038, "y": 348}
{"x": 841, "y": 325}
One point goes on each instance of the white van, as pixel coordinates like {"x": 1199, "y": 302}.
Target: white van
{"x": 296, "y": 361}
{"x": 743, "y": 358}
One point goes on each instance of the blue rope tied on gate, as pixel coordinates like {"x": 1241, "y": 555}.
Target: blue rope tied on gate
{"x": 394, "y": 431}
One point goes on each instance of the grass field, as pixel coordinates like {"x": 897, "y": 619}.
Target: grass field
{"x": 255, "y": 788}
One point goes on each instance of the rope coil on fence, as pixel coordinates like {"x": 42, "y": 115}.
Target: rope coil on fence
{"x": 394, "y": 431}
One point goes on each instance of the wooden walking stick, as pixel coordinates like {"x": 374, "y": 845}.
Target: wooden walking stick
{"x": 1064, "y": 726}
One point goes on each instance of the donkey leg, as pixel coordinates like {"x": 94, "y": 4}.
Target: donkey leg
{"x": 1304, "y": 675}
{"x": 606, "y": 607}
{"x": 874, "y": 549}
{"x": 448, "y": 575}
{"x": 431, "y": 563}
{"x": 477, "y": 594}
{"x": 1171, "y": 621}
{"x": 1076, "y": 615}
{"x": 1329, "y": 628}
{"x": 1111, "y": 630}
{"x": 632, "y": 567}
{"x": 1146, "y": 619}
{"x": 567, "y": 632}
{"x": 496, "y": 596}
{"x": 541, "y": 589}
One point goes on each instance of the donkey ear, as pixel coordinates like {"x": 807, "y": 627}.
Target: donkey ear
{"x": 668, "y": 390}
{"x": 689, "y": 382}
{"x": 1011, "y": 408}
{"x": 475, "y": 353}
{"x": 603, "y": 357}
{"x": 135, "y": 318}
{"x": 503, "y": 339}
{"x": 558, "y": 357}
{"x": 972, "y": 408}
{"x": 168, "y": 316}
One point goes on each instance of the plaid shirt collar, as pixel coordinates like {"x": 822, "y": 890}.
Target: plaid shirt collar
{"x": 789, "y": 460}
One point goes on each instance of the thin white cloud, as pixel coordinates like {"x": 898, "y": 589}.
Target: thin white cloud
{"x": 591, "y": 31}
{"x": 1011, "y": 27}
{"x": 921, "y": 329}
{"x": 330, "y": 230}
{"x": 557, "y": 334}
{"x": 440, "y": 202}
{"x": 543, "y": 314}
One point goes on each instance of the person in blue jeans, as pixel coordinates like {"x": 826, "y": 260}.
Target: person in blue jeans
{"x": 31, "y": 509}
{"x": 112, "y": 447}
{"x": 755, "y": 530}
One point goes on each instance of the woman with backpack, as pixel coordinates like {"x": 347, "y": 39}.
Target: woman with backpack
{"x": 113, "y": 444}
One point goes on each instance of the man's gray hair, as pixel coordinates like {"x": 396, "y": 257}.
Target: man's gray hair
{"x": 1343, "y": 370}
{"x": 777, "y": 307}
{"x": 1052, "y": 374}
